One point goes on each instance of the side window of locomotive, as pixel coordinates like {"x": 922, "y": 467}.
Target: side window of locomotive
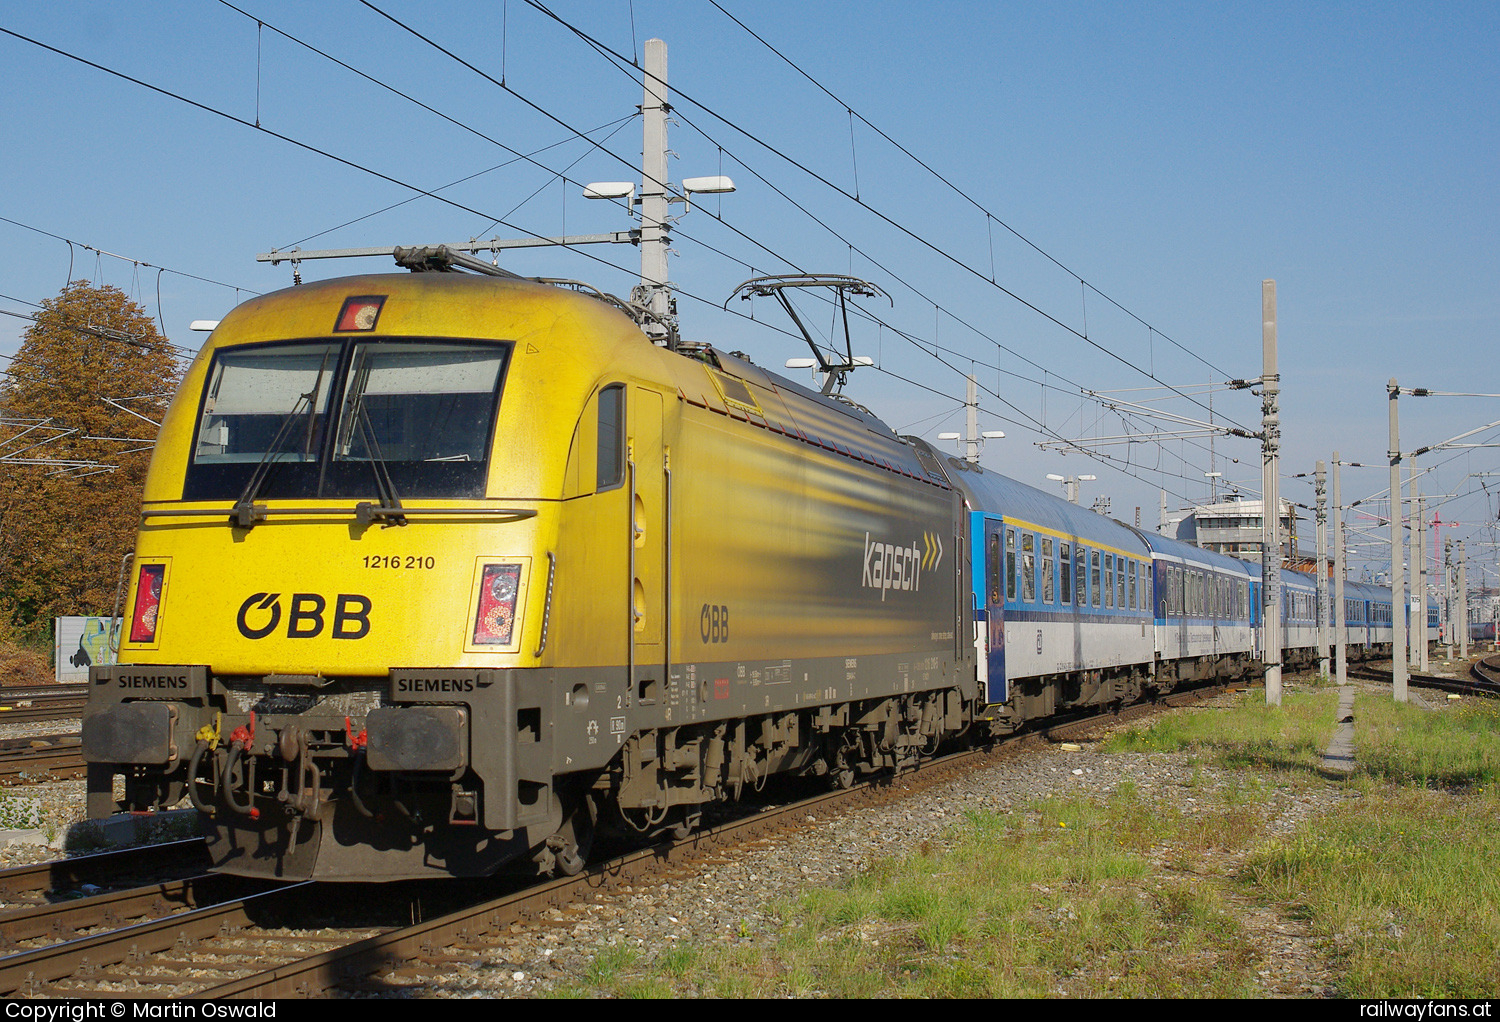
{"x": 1028, "y": 567}
{"x": 1048, "y": 592}
{"x": 611, "y": 458}
{"x": 1065, "y": 560}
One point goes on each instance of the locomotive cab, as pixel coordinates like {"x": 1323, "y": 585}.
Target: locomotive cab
{"x": 335, "y": 639}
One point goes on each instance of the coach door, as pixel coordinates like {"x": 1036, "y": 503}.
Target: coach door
{"x": 998, "y": 570}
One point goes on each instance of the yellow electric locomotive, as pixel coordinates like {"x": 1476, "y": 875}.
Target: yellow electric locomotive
{"x": 437, "y": 572}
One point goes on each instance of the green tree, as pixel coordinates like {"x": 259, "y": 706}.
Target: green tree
{"x": 64, "y": 526}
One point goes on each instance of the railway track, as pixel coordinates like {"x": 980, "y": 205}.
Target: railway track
{"x": 62, "y": 878}
{"x": 30, "y": 705}
{"x": 40, "y": 758}
{"x": 1486, "y": 674}
{"x": 204, "y": 937}
{"x": 1481, "y": 681}
{"x": 29, "y": 758}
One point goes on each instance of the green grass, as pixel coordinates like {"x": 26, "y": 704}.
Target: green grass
{"x": 1137, "y": 896}
{"x": 1288, "y": 740}
{"x": 1059, "y": 899}
{"x": 1402, "y": 882}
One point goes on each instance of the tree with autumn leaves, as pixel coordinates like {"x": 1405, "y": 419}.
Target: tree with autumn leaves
{"x": 90, "y": 382}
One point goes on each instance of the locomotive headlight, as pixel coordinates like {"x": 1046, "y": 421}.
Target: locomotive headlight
{"x": 149, "y": 583}
{"x": 495, "y": 616}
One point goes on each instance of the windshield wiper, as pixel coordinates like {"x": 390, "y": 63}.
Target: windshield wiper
{"x": 385, "y": 486}
{"x": 244, "y": 513}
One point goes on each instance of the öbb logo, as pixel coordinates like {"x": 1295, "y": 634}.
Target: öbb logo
{"x": 304, "y": 619}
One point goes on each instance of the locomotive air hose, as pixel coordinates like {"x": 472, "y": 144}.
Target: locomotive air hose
{"x": 193, "y": 766}
{"x": 236, "y": 750}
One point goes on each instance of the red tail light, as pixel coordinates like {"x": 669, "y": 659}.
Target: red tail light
{"x": 147, "y": 603}
{"x": 496, "y": 617}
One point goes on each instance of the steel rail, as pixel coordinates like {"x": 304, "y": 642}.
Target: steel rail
{"x": 101, "y": 868}
{"x": 28, "y": 972}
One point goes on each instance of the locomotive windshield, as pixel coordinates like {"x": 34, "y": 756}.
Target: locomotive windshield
{"x": 421, "y": 411}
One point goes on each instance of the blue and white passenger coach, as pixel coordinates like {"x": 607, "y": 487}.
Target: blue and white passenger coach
{"x": 1206, "y": 610}
{"x": 1062, "y": 599}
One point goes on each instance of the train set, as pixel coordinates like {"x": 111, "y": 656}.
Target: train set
{"x": 440, "y": 574}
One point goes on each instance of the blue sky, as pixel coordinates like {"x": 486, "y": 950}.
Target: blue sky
{"x": 1171, "y": 156}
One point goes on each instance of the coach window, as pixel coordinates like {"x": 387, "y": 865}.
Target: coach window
{"x": 611, "y": 462}
{"x": 1094, "y": 580}
{"x": 1080, "y": 575}
{"x": 1066, "y": 563}
{"x": 1133, "y": 604}
{"x": 1109, "y": 580}
{"x": 994, "y": 567}
{"x": 1010, "y": 564}
{"x": 1048, "y": 592}
{"x": 1028, "y": 567}
{"x": 1120, "y": 582}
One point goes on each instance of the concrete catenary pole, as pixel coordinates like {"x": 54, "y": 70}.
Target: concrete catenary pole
{"x": 1446, "y": 604}
{"x": 655, "y": 240}
{"x": 1463, "y": 604}
{"x": 1270, "y": 477}
{"x": 1448, "y": 599}
{"x": 1419, "y": 581}
{"x": 1340, "y": 620}
{"x": 1320, "y": 479}
{"x": 1398, "y": 548}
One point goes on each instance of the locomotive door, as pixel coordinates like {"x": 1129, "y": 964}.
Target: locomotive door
{"x": 648, "y": 543}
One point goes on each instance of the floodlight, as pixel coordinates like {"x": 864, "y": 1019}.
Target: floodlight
{"x": 609, "y": 190}
{"x": 801, "y": 363}
{"x": 203, "y": 326}
{"x": 707, "y": 185}
{"x": 948, "y": 436}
